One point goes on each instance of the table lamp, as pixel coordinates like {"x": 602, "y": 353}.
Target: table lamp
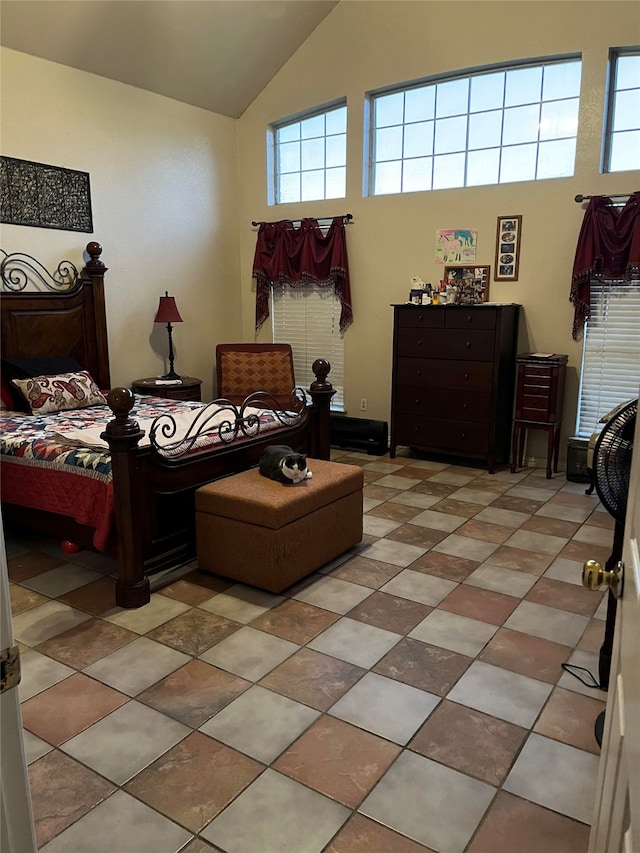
{"x": 168, "y": 313}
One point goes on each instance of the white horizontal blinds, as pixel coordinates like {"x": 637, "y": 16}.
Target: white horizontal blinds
{"x": 611, "y": 352}
{"x": 308, "y": 318}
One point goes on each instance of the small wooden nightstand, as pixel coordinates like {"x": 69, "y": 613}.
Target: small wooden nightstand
{"x": 188, "y": 389}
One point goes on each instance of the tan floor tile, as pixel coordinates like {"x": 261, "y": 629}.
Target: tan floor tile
{"x": 338, "y": 759}
{"x": 526, "y": 655}
{"x": 515, "y": 504}
{"x": 69, "y": 707}
{"x": 593, "y": 637}
{"x": 362, "y": 835}
{"x": 24, "y": 599}
{"x": 551, "y": 526}
{"x": 454, "y": 507}
{"x": 395, "y": 512}
{"x": 477, "y": 603}
{"x": 413, "y": 534}
{"x": 486, "y": 531}
{"x": 62, "y": 791}
{"x": 371, "y": 573}
{"x": 427, "y": 667}
{"x": 195, "y": 780}
{"x": 469, "y": 741}
{"x": 194, "y": 632}
{"x": 445, "y": 566}
{"x": 30, "y": 564}
{"x": 390, "y": 612}
{"x": 96, "y": 597}
{"x": 295, "y": 621}
{"x": 194, "y": 593}
{"x": 520, "y": 560}
{"x": 313, "y": 678}
{"x": 86, "y": 643}
{"x": 570, "y": 717}
{"x": 582, "y": 551}
{"x": 565, "y": 596}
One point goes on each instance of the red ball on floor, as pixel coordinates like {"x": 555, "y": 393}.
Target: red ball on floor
{"x": 69, "y": 547}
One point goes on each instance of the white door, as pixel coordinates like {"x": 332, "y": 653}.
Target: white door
{"x": 616, "y": 821}
{"x": 17, "y": 834}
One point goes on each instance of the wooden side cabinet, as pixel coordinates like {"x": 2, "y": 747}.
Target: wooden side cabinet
{"x": 188, "y": 389}
{"x": 539, "y": 401}
{"x": 453, "y": 380}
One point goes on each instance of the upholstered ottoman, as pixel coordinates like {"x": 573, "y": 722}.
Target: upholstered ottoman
{"x": 270, "y": 535}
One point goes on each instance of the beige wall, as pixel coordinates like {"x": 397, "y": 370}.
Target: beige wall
{"x": 365, "y": 45}
{"x": 164, "y": 195}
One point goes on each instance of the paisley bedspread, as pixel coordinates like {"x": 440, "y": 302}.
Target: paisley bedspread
{"x": 40, "y": 472}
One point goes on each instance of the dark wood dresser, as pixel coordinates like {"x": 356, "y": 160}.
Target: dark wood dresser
{"x": 453, "y": 382}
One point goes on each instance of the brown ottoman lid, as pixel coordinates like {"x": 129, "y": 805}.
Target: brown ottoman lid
{"x": 255, "y": 499}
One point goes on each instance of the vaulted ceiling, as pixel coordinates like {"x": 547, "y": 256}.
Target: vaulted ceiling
{"x": 214, "y": 54}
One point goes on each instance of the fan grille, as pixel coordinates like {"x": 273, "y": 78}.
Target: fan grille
{"x": 612, "y": 460}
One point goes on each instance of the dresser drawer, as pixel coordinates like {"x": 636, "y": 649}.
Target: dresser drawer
{"x": 461, "y": 317}
{"x": 435, "y": 373}
{"x": 448, "y": 404}
{"x": 421, "y": 318}
{"x": 471, "y": 344}
{"x": 466, "y": 438}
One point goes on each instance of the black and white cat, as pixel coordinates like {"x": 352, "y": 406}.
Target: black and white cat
{"x": 282, "y": 464}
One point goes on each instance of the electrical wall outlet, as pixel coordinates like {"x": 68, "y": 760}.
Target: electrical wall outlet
{"x": 364, "y": 404}
{"x": 531, "y": 462}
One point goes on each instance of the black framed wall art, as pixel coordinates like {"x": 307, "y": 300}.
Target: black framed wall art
{"x": 508, "y": 248}
{"x": 44, "y": 196}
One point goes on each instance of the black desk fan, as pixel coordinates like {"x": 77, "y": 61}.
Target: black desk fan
{"x": 611, "y": 474}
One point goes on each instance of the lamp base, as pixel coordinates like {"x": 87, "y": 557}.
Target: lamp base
{"x": 171, "y": 375}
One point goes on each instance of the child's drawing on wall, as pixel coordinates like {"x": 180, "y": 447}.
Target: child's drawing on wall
{"x": 456, "y": 245}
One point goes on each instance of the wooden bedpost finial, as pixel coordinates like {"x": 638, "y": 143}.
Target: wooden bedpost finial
{"x": 94, "y": 250}
{"x": 321, "y": 369}
{"x": 121, "y": 401}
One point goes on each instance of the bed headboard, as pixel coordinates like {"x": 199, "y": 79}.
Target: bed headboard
{"x": 66, "y": 318}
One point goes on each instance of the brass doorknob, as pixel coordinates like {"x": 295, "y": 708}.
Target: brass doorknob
{"x": 593, "y": 576}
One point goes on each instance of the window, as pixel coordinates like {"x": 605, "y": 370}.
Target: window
{"x": 517, "y": 123}
{"x": 310, "y": 157}
{"x": 611, "y": 352}
{"x": 622, "y": 138}
{"x": 308, "y": 318}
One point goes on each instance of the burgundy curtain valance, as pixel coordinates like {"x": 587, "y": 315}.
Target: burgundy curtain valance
{"x": 608, "y": 247}
{"x": 291, "y": 256}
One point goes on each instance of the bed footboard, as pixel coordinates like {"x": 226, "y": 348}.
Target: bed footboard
{"x": 154, "y": 502}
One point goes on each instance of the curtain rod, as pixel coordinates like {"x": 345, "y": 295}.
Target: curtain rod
{"x": 347, "y": 218}
{"x": 580, "y": 198}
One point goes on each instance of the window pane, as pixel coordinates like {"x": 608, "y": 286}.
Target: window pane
{"x": 313, "y": 154}
{"x": 626, "y": 113}
{"x": 452, "y": 98}
{"x": 483, "y": 167}
{"x": 485, "y": 129}
{"x": 451, "y": 135}
{"x": 289, "y": 188}
{"x": 389, "y": 109}
{"x": 524, "y": 85}
{"x": 418, "y": 139}
{"x": 312, "y": 185}
{"x": 337, "y": 121}
{"x": 420, "y": 104}
{"x": 561, "y": 81}
{"x": 625, "y": 151}
{"x": 520, "y": 125}
{"x": 628, "y": 72}
{"x": 487, "y": 91}
{"x": 556, "y": 159}
{"x": 518, "y": 163}
{"x": 336, "y": 150}
{"x": 311, "y": 127}
{"x": 387, "y": 178}
{"x": 289, "y": 155}
{"x": 559, "y": 119}
{"x": 336, "y": 183}
{"x": 389, "y": 144}
{"x": 288, "y": 133}
{"x": 448, "y": 171}
{"x": 417, "y": 175}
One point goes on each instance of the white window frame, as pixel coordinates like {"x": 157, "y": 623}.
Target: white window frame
{"x": 610, "y": 372}
{"x": 468, "y": 74}
{"x": 308, "y": 318}
{"x": 293, "y": 124}
{"x": 611, "y": 99}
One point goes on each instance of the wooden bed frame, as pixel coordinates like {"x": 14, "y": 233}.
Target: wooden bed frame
{"x": 154, "y": 511}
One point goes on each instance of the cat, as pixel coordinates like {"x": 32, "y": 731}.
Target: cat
{"x": 282, "y": 464}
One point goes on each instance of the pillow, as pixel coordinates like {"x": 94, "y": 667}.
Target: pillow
{"x": 24, "y": 368}
{"x": 60, "y": 393}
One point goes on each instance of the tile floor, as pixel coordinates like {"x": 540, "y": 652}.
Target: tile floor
{"x": 408, "y": 697}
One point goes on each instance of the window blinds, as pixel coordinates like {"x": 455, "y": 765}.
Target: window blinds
{"x": 308, "y": 318}
{"x": 611, "y": 352}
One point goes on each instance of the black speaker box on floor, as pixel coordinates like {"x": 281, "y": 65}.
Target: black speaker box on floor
{"x": 361, "y": 434}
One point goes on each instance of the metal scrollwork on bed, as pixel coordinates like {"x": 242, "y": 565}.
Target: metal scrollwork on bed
{"x": 224, "y": 421}
{"x": 18, "y": 270}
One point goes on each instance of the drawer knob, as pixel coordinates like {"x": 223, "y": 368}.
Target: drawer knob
{"x": 418, "y": 373}
{"x": 463, "y": 435}
{"x": 469, "y": 318}
{"x": 417, "y": 401}
{"x": 468, "y": 344}
{"x": 419, "y": 343}
{"x": 466, "y": 376}
{"x": 465, "y": 406}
